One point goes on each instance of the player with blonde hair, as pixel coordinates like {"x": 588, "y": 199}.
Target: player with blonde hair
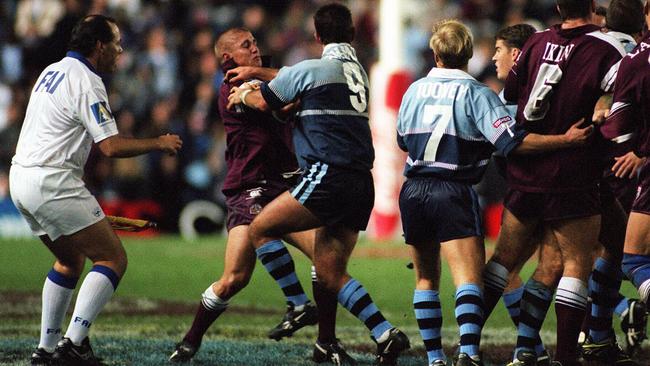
{"x": 449, "y": 124}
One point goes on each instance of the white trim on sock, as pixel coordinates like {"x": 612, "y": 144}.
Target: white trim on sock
{"x": 644, "y": 291}
{"x": 211, "y": 301}
{"x": 572, "y": 292}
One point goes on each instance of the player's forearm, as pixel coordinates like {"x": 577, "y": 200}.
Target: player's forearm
{"x": 536, "y": 143}
{"x": 125, "y": 147}
{"x": 255, "y": 100}
{"x": 265, "y": 73}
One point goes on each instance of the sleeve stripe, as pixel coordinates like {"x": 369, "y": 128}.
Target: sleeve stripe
{"x": 623, "y": 138}
{"x": 608, "y": 81}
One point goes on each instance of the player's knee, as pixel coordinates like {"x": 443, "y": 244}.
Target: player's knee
{"x": 549, "y": 272}
{"x": 636, "y": 268}
{"x": 70, "y": 267}
{"x": 231, "y": 284}
{"x": 503, "y": 258}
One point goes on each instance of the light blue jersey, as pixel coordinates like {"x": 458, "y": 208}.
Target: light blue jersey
{"x": 450, "y": 124}
{"x": 333, "y": 118}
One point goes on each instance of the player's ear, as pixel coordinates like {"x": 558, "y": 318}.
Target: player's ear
{"x": 514, "y": 53}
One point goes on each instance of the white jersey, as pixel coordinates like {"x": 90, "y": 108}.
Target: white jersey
{"x": 67, "y": 110}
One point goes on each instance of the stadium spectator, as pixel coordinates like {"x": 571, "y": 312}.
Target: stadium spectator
{"x": 67, "y": 111}
{"x": 438, "y": 205}
{"x": 261, "y": 165}
{"x": 335, "y": 194}
{"x": 570, "y": 56}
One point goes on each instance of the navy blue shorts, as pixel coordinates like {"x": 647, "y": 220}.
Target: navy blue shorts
{"x": 439, "y": 210}
{"x": 336, "y": 196}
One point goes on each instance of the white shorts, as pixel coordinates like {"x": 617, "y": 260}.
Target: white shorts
{"x": 53, "y": 201}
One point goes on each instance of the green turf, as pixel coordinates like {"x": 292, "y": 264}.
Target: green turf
{"x": 166, "y": 275}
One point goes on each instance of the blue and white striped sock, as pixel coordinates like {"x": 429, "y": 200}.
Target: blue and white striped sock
{"x": 278, "y": 262}
{"x": 604, "y": 283}
{"x": 429, "y": 317}
{"x": 356, "y": 299}
{"x": 469, "y": 315}
{"x": 535, "y": 302}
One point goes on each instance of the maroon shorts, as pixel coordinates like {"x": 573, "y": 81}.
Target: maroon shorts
{"x": 642, "y": 201}
{"x": 243, "y": 205}
{"x": 553, "y": 206}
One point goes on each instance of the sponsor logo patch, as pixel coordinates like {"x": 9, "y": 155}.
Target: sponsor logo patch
{"x": 501, "y": 121}
{"x": 101, "y": 112}
{"x": 255, "y": 209}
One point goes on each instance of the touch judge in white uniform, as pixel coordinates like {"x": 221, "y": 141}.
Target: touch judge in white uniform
{"x": 68, "y": 110}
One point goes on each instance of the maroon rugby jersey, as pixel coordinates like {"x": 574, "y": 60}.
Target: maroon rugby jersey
{"x": 258, "y": 147}
{"x": 630, "y": 113}
{"x": 556, "y": 81}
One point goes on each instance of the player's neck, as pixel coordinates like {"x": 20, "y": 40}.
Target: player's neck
{"x": 575, "y": 23}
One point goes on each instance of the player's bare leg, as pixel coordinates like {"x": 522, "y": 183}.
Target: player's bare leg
{"x": 466, "y": 259}
{"x": 327, "y": 347}
{"x": 578, "y": 241}
{"x": 636, "y": 264}
{"x": 332, "y": 248}
{"x": 426, "y": 298}
{"x": 239, "y": 263}
{"x": 56, "y": 296}
{"x": 515, "y": 244}
{"x": 535, "y": 302}
{"x": 599, "y": 342}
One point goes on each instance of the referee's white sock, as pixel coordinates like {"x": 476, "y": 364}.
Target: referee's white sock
{"x": 57, "y": 293}
{"x": 96, "y": 289}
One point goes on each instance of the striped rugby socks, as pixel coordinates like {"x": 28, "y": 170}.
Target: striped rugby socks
{"x": 429, "y": 317}
{"x": 278, "y": 262}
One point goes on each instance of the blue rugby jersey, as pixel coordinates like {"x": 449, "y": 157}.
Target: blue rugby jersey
{"x": 450, "y": 124}
{"x": 333, "y": 118}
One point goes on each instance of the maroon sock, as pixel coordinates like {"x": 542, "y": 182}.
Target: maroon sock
{"x": 568, "y": 330}
{"x": 202, "y": 321}
{"x": 327, "y": 303}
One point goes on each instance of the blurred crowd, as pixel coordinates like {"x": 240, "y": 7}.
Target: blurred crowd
{"x": 168, "y": 76}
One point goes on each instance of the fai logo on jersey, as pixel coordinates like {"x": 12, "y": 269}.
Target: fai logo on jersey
{"x": 101, "y": 112}
{"x": 501, "y": 121}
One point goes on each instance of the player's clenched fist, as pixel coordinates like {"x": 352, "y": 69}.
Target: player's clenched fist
{"x": 170, "y": 143}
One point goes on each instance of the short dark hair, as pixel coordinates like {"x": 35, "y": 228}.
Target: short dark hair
{"x": 601, "y": 11}
{"x": 333, "y": 23}
{"x": 574, "y": 9}
{"x": 515, "y": 36}
{"x": 88, "y": 31}
{"x": 625, "y": 16}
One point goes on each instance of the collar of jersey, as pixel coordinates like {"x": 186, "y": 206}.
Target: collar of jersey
{"x": 80, "y": 57}
{"x": 437, "y": 72}
{"x": 622, "y": 37}
{"x": 340, "y": 51}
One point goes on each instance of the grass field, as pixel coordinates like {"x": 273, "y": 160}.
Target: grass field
{"x": 155, "y": 303}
